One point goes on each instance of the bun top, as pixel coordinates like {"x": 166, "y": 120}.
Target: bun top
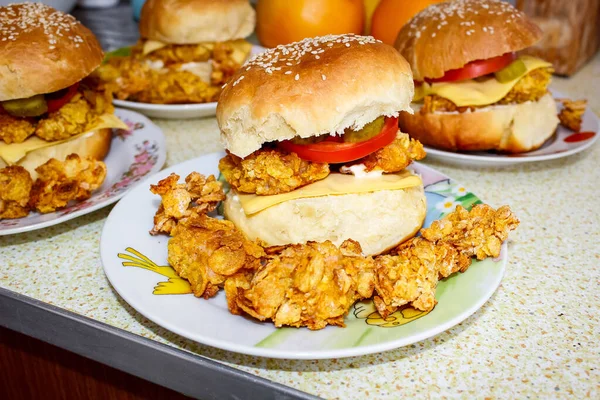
{"x": 43, "y": 50}
{"x": 449, "y": 35}
{"x": 308, "y": 88}
{"x": 196, "y": 21}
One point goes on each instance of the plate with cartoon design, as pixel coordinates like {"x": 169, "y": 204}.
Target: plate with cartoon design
{"x": 563, "y": 143}
{"x": 173, "y": 111}
{"x": 135, "y": 153}
{"x": 136, "y": 265}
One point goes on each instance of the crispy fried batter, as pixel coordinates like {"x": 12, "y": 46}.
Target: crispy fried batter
{"x": 15, "y": 187}
{"x": 531, "y": 87}
{"x": 59, "y": 182}
{"x": 133, "y": 77}
{"x": 206, "y": 251}
{"x": 270, "y": 171}
{"x": 312, "y": 285}
{"x": 571, "y": 115}
{"x": 392, "y": 158}
{"x": 15, "y": 130}
{"x": 199, "y": 195}
{"x": 479, "y": 232}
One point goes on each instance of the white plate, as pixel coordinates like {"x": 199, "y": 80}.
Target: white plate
{"x": 555, "y": 147}
{"x": 177, "y": 111}
{"x": 136, "y": 265}
{"x": 134, "y": 154}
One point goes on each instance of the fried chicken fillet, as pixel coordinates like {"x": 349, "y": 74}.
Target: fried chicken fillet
{"x": 271, "y": 171}
{"x": 59, "y": 182}
{"x": 15, "y": 187}
{"x": 530, "y": 87}
{"x": 199, "y": 195}
{"x": 312, "y": 285}
{"x": 571, "y": 116}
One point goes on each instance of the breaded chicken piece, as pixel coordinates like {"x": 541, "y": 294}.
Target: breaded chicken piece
{"x": 60, "y": 182}
{"x": 176, "y": 87}
{"x": 410, "y": 275}
{"x": 15, "y": 130}
{"x": 199, "y": 195}
{"x": 227, "y": 58}
{"x": 71, "y": 119}
{"x": 180, "y": 53}
{"x": 530, "y": 87}
{"x": 15, "y": 188}
{"x": 392, "y": 158}
{"x": 206, "y": 251}
{"x": 479, "y": 232}
{"x": 312, "y": 285}
{"x": 270, "y": 171}
{"x": 571, "y": 116}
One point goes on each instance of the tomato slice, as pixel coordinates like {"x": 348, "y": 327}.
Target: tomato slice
{"x": 58, "y": 99}
{"x": 333, "y": 152}
{"x": 476, "y": 68}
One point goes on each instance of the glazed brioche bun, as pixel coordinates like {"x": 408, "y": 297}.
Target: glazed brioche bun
{"x": 196, "y": 21}
{"x": 308, "y": 88}
{"x": 513, "y": 128}
{"x": 95, "y": 144}
{"x": 43, "y": 51}
{"x": 449, "y": 35}
{"x": 377, "y": 220}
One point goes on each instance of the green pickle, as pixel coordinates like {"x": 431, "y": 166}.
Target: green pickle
{"x": 368, "y": 131}
{"x": 511, "y": 72}
{"x": 309, "y": 140}
{"x": 30, "y": 107}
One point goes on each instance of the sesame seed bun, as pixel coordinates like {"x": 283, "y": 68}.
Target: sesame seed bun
{"x": 377, "y": 220}
{"x": 513, "y": 128}
{"x": 95, "y": 144}
{"x": 43, "y": 50}
{"x": 312, "y": 87}
{"x": 449, "y": 35}
{"x": 196, "y": 21}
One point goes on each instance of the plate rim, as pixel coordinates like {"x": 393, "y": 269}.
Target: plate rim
{"x": 162, "y": 158}
{"x": 107, "y": 256}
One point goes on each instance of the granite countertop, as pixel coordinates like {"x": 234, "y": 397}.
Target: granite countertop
{"x": 536, "y": 337}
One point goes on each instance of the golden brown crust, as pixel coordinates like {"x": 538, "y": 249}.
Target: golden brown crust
{"x": 95, "y": 145}
{"x": 510, "y": 128}
{"x": 312, "y": 87}
{"x": 195, "y": 21}
{"x": 45, "y": 56}
{"x": 448, "y": 35}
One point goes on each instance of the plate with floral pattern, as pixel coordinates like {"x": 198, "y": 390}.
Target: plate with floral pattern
{"x": 136, "y": 152}
{"x": 563, "y": 143}
{"x": 136, "y": 265}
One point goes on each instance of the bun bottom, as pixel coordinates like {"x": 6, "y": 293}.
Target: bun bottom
{"x": 514, "y": 128}
{"x": 95, "y": 144}
{"x": 378, "y": 220}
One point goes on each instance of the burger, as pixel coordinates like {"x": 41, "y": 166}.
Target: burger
{"x": 48, "y": 107}
{"x": 187, "y": 51}
{"x": 314, "y": 152}
{"x": 473, "y": 91}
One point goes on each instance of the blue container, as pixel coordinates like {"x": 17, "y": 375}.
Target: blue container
{"x": 136, "y": 5}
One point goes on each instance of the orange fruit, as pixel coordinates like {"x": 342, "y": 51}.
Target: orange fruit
{"x": 283, "y": 21}
{"x": 391, "y": 15}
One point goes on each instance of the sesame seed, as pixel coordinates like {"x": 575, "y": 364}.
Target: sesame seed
{"x": 288, "y": 72}
{"x": 347, "y": 44}
{"x": 323, "y": 77}
{"x": 297, "y": 77}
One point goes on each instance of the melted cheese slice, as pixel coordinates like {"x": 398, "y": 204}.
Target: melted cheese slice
{"x": 12, "y": 153}
{"x": 334, "y": 184}
{"x": 477, "y": 93}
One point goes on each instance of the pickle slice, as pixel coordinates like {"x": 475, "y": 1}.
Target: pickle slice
{"x": 30, "y": 107}
{"x": 511, "y": 72}
{"x": 309, "y": 140}
{"x": 368, "y": 131}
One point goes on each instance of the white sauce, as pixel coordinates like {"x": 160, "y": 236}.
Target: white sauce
{"x": 203, "y": 70}
{"x": 156, "y": 65}
{"x": 358, "y": 170}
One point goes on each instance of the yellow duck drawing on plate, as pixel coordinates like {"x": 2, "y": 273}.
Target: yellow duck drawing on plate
{"x": 176, "y": 285}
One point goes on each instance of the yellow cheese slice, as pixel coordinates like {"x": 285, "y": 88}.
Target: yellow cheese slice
{"x": 152, "y": 45}
{"x": 477, "y": 93}
{"x": 12, "y": 153}
{"x": 334, "y": 184}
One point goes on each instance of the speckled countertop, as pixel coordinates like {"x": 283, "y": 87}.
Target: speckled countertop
{"x": 536, "y": 337}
